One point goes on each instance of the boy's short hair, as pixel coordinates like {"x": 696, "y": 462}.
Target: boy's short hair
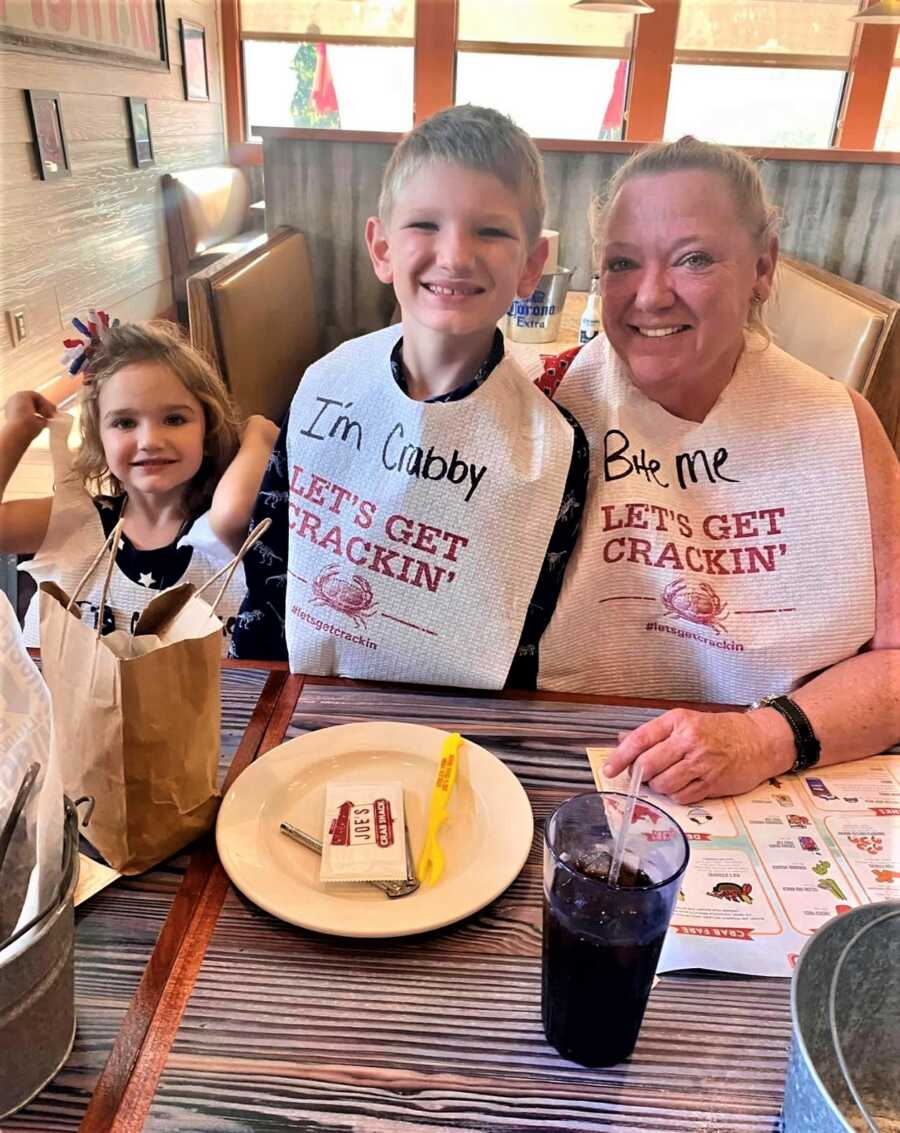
{"x": 474, "y": 137}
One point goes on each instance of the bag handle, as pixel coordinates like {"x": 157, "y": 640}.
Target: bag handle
{"x": 111, "y": 545}
{"x": 230, "y": 568}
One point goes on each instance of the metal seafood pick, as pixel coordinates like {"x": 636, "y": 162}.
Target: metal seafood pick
{"x": 390, "y": 888}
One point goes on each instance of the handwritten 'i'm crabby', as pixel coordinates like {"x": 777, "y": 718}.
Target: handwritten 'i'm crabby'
{"x": 396, "y": 453}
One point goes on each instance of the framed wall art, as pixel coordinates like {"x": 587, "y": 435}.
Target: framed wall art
{"x": 141, "y": 141}
{"x": 128, "y": 35}
{"x": 193, "y": 54}
{"x": 45, "y": 112}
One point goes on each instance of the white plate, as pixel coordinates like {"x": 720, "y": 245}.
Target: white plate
{"x": 486, "y": 838}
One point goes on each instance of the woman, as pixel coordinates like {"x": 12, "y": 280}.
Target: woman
{"x": 743, "y": 510}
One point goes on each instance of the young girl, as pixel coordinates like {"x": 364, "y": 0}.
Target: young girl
{"x": 157, "y": 431}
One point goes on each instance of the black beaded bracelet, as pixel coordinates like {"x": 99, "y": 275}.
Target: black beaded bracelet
{"x": 806, "y": 741}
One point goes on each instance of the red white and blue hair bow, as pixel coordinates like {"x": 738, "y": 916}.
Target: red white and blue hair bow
{"x": 80, "y": 351}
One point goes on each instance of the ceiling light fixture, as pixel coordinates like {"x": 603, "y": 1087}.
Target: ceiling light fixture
{"x": 885, "y": 12}
{"x": 618, "y": 7}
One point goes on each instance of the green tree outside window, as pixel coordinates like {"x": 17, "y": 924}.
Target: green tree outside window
{"x": 303, "y": 110}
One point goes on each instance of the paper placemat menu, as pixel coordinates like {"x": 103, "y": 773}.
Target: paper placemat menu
{"x": 769, "y": 868}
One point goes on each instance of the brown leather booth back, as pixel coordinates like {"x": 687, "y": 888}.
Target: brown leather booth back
{"x": 214, "y": 204}
{"x": 828, "y": 329}
{"x": 255, "y": 314}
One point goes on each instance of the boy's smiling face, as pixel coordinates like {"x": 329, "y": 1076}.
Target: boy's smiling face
{"x": 456, "y": 250}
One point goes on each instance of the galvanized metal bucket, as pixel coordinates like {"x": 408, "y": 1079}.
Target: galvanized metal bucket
{"x": 537, "y": 318}
{"x": 844, "y": 1068}
{"x": 37, "y": 991}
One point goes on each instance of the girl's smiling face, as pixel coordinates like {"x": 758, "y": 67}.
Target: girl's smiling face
{"x": 679, "y": 271}
{"x": 152, "y": 430}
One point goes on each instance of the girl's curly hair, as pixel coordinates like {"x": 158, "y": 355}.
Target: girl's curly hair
{"x": 157, "y": 342}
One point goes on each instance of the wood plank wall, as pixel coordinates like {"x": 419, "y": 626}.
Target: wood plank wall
{"x": 97, "y": 238}
{"x": 841, "y": 216}
{"x": 327, "y": 189}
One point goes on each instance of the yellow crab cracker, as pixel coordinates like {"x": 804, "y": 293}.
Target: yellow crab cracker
{"x": 431, "y": 860}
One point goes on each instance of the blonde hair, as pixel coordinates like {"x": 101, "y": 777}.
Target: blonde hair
{"x": 474, "y": 137}
{"x": 756, "y": 213}
{"x": 157, "y": 342}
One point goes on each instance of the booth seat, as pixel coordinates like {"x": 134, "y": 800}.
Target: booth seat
{"x": 846, "y": 331}
{"x": 253, "y": 314}
{"x": 208, "y": 216}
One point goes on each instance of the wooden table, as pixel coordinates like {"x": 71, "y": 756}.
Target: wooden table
{"x": 242, "y": 1022}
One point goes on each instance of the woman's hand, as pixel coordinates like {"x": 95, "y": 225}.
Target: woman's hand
{"x": 691, "y": 756}
{"x": 28, "y": 413}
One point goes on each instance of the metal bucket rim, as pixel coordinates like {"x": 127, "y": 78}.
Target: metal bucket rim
{"x": 796, "y": 1031}
{"x": 43, "y": 924}
{"x": 834, "y": 1032}
{"x": 48, "y": 916}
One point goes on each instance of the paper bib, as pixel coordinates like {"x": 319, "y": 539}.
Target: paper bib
{"x": 721, "y": 560}
{"x": 417, "y": 530}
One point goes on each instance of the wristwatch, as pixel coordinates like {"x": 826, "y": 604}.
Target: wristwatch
{"x": 806, "y": 742}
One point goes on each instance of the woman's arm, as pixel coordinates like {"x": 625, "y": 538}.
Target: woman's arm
{"x": 23, "y": 523}
{"x": 854, "y": 706}
{"x": 235, "y": 495}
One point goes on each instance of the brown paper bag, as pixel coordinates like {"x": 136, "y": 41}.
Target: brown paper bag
{"x": 137, "y": 717}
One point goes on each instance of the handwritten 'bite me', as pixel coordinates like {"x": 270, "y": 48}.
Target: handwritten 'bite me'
{"x": 397, "y": 454}
{"x": 621, "y": 461}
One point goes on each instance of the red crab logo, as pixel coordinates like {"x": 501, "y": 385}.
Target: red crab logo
{"x": 696, "y": 602}
{"x": 353, "y": 598}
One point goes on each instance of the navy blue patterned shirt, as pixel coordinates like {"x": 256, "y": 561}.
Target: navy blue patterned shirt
{"x": 259, "y": 631}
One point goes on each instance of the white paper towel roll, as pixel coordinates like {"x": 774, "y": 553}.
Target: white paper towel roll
{"x": 552, "y": 237}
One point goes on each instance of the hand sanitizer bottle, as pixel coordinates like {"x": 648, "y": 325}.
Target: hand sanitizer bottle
{"x": 590, "y": 320}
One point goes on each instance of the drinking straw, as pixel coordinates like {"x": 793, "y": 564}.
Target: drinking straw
{"x": 619, "y": 849}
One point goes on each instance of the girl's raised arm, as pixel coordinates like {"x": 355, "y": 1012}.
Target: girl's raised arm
{"x": 23, "y": 523}
{"x": 235, "y": 495}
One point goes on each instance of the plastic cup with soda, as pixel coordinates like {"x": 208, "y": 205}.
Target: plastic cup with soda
{"x": 602, "y": 941}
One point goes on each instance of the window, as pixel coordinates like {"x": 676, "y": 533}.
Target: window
{"x": 760, "y": 73}
{"x": 889, "y": 129}
{"x": 328, "y": 64}
{"x": 557, "y": 72}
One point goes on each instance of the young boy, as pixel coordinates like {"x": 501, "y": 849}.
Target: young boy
{"x": 425, "y": 496}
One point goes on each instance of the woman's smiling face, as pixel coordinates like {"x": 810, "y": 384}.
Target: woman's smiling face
{"x": 679, "y": 271}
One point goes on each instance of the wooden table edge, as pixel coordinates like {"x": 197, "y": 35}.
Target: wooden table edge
{"x": 598, "y": 699}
